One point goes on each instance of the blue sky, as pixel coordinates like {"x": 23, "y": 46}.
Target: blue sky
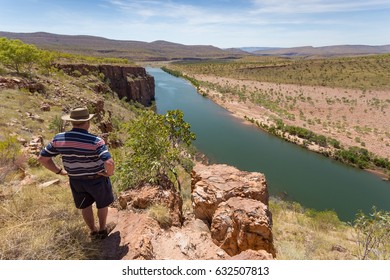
{"x": 222, "y": 23}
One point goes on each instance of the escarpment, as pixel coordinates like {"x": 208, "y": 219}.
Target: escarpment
{"x": 130, "y": 82}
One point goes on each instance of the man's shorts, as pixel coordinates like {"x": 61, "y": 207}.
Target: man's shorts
{"x": 87, "y": 191}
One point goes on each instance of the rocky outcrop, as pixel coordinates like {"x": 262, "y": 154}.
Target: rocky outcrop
{"x": 235, "y": 204}
{"x": 241, "y": 224}
{"x": 130, "y": 82}
{"x": 239, "y": 228}
{"x": 147, "y": 195}
{"x": 213, "y": 184}
{"x": 34, "y": 147}
{"x": 21, "y": 83}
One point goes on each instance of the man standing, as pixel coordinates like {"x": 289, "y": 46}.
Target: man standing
{"x": 89, "y": 165}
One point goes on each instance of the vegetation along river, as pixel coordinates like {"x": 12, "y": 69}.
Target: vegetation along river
{"x": 310, "y": 179}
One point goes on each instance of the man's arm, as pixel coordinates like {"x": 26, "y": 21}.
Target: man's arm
{"x": 49, "y": 164}
{"x": 109, "y": 166}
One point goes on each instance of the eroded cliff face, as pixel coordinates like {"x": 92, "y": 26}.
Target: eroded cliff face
{"x": 130, "y": 82}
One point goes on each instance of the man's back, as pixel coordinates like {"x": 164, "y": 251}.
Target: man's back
{"x": 82, "y": 153}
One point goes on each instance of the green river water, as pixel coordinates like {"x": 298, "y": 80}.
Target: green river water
{"x": 291, "y": 171}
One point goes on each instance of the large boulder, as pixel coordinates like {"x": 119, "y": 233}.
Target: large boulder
{"x": 214, "y": 184}
{"x": 241, "y": 224}
{"x": 147, "y": 195}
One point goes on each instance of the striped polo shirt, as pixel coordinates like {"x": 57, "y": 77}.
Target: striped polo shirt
{"x": 82, "y": 153}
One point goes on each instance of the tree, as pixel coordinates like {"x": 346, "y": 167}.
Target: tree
{"x": 156, "y": 147}
{"x": 47, "y": 59}
{"x": 373, "y": 234}
{"x": 16, "y": 55}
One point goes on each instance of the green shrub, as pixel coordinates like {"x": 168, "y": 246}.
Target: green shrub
{"x": 57, "y": 125}
{"x": 324, "y": 220}
{"x": 156, "y": 146}
{"x": 9, "y": 150}
{"x": 355, "y": 156}
{"x": 33, "y": 162}
{"x": 373, "y": 234}
{"x": 11, "y": 158}
{"x": 76, "y": 73}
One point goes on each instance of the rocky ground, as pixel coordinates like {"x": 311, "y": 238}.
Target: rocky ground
{"x": 239, "y": 227}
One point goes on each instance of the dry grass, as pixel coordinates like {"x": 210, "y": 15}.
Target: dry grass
{"x": 43, "y": 224}
{"x": 185, "y": 181}
{"x": 17, "y": 106}
{"x": 301, "y": 234}
{"x": 161, "y": 214}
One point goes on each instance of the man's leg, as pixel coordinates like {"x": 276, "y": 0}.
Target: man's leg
{"x": 102, "y": 216}
{"x": 89, "y": 218}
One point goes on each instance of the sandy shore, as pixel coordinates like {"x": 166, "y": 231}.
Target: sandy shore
{"x": 353, "y": 117}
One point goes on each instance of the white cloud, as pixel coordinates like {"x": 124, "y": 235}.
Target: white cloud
{"x": 223, "y": 24}
{"x": 316, "y": 6}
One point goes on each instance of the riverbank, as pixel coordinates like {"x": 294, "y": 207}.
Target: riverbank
{"x": 356, "y": 119}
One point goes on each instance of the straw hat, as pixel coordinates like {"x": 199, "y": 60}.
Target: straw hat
{"x": 78, "y": 115}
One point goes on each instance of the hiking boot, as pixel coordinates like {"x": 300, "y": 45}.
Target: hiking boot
{"x": 102, "y": 234}
{"x": 94, "y": 235}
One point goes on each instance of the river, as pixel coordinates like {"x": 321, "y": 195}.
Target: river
{"x": 310, "y": 179}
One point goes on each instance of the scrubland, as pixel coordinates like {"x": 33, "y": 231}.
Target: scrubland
{"x": 345, "y": 100}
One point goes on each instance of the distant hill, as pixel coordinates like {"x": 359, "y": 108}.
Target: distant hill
{"x": 254, "y": 49}
{"x": 133, "y": 50}
{"x": 163, "y": 50}
{"x": 341, "y": 50}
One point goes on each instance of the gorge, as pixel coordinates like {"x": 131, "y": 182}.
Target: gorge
{"x": 292, "y": 172}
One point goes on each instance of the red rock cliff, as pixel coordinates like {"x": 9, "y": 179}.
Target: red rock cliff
{"x": 131, "y": 82}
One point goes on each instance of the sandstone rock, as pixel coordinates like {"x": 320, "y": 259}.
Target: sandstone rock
{"x": 214, "y": 184}
{"x": 45, "y": 107}
{"x": 49, "y": 183}
{"x": 97, "y": 108}
{"x": 253, "y": 255}
{"x": 185, "y": 245}
{"x": 35, "y": 87}
{"x": 339, "y": 248}
{"x": 144, "y": 249}
{"x": 147, "y": 195}
{"x": 35, "y": 146}
{"x": 21, "y": 140}
{"x": 131, "y": 238}
{"x": 21, "y": 83}
{"x": 37, "y": 118}
{"x": 240, "y": 224}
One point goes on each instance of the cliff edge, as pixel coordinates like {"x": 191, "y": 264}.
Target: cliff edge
{"x": 230, "y": 219}
{"x": 130, "y": 82}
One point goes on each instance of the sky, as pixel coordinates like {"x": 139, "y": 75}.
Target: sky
{"x": 221, "y": 23}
